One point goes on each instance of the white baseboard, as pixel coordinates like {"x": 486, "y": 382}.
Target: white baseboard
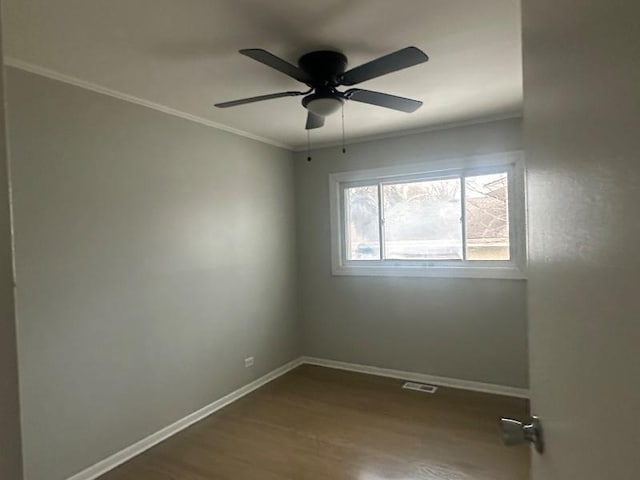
{"x": 137, "y": 448}
{"x": 420, "y": 377}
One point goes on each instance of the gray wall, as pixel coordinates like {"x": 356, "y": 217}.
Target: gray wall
{"x": 152, "y": 255}
{"x": 472, "y": 329}
{"x": 10, "y": 452}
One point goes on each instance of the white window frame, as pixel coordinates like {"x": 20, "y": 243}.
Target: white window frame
{"x": 515, "y": 268}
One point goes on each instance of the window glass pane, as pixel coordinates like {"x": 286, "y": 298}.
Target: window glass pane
{"x": 361, "y": 218}
{"x": 422, "y": 220}
{"x": 487, "y": 217}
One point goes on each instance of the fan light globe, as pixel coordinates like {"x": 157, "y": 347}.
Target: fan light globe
{"x": 324, "y": 106}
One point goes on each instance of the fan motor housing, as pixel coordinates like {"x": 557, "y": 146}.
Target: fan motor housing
{"x": 324, "y": 66}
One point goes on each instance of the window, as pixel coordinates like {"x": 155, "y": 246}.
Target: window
{"x": 455, "y": 218}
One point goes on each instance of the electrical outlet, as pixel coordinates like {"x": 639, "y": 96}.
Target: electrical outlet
{"x": 248, "y": 362}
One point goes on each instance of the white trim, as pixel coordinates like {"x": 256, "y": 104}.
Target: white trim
{"x": 512, "y": 270}
{"x": 420, "y": 377}
{"x": 61, "y": 77}
{"x": 414, "y": 131}
{"x": 442, "y": 165}
{"x": 429, "y": 271}
{"x": 146, "y": 443}
{"x": 137, "y": 448}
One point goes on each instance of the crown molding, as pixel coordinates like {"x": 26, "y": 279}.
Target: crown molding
{"x": 415, "y": 131}
{"x": 61, "y": 77}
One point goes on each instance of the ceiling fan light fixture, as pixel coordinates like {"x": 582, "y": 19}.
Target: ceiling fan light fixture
{"x": 324, "y": 106}
{"x": 323, "y": 72}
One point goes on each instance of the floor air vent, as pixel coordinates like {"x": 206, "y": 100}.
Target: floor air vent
{"x": 420, "y": 387}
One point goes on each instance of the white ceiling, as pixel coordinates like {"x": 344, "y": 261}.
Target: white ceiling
{"x": 182, "y": 54}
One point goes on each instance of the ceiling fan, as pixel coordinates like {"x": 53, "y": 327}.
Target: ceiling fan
{"x": 324, "y": 71}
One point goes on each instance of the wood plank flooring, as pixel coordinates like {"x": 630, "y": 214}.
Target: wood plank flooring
{"x": 316, "y": 423}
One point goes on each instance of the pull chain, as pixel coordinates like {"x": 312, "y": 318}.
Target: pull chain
{"x": 308, "y": 145}
{"x": 344, "y": 149}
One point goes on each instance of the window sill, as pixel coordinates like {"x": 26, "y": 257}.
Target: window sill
{"x": 506, "y": 273}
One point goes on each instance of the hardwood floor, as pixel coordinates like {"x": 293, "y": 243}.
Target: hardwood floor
{"x": 316, "y": 423}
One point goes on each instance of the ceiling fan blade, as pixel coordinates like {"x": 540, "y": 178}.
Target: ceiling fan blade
{"x": 279, "y": 64}
{"x": 314, "y": 121}
{"x": 407, "y": 57}
{"x": 242, "y": 101}
{"x": 383, "y": 100}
